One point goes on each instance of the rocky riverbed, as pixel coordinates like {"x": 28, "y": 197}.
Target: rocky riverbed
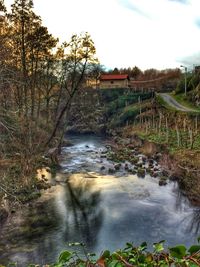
{"x": 183, "y": 166}
{"x": 129, "y": 160}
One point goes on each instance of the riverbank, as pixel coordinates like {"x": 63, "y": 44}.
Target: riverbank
{"x": 14, "y": 194}
{"x": 181, "y": 165}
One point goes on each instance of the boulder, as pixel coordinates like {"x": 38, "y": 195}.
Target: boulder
{"x": 148, "y": 170}
{"x": 158, "y": 156}
{"x": 111, "y": 170}
{"x": 163, "y": 181}
{"x": 126, "y": 167}
{"x": 141, "y": 172}
{"x": 139, "y": 164}
{"x": 44, "y": 174}
{"x": 151, "y": 162}
{"x": 117, "y": 166}
{"x": 165, "y": 173}
{"x": 154, "y": 174}
{"x": 134, "y": 160}
{"x": 144, "y": 159}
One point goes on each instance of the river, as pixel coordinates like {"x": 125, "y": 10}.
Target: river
{"x": 104, "y": 211}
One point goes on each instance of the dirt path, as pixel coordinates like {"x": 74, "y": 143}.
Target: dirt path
{"x": 174, "y": 104}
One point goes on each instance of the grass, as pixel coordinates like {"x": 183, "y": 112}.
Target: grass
{"x": 129, "y": 113}
{"x": 172, "y": 144}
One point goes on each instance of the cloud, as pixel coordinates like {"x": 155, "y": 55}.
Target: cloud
{"x": 180, "y": 1}
{"x": 133, "y": 7}
{"x": 147, "y": 33}
{"x": 197, "y": 22}
{"x": 190, "y": 60}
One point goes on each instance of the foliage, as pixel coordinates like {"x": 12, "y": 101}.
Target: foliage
{"x": 129, "y": 114}
{"x": 193, "y": 93}
{"x": 121, "y": 94}
{"x": 194, "y": 96}
{"x": 169, "y": 137}
{"x": 127, "y": 99}
{"x": 121, "y": 105}
{"x": 132, "y": 256}
{"x": 192, "y": 81}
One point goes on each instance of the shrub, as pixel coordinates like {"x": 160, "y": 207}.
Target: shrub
{"x": 132, "y": 256}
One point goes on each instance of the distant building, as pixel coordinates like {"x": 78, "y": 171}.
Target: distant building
{"x": 114, "y": 81}
{"x": 92, "y": 83}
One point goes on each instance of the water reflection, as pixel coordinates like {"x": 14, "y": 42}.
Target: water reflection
{"x": 65, "y": 213}
{"x": 86, "y": 215}
{"x": 195, "y": 222}
{"x": 28, "y": 233}
{"x": 192, "y": 217}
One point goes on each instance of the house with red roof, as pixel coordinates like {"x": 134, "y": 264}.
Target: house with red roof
{"x": 114, "y": 81}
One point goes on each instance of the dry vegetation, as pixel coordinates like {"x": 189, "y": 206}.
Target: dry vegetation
{"x": 37, "y": 86}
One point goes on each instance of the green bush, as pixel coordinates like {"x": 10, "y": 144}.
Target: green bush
{"x": 133, "y": 256}
{"x": 125, "y": 99}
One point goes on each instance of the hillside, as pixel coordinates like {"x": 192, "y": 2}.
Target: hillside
{"x": 100, "y": 111}
{"x": 125, "y": 114}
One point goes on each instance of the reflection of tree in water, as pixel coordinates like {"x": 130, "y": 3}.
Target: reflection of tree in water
{"x": 193, "y": 219}
{"x": 28, "y": 236}
{"x": 194, "y": 225}
{"x": 39, "y": 231}
{"x": 31, "y": 222}
{"x": 181, "y": 201}
{"x": 193, "y": 222}
{"x": 84, "y": 213}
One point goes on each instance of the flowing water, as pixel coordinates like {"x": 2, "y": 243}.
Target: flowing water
{"x": 104, "y": 211}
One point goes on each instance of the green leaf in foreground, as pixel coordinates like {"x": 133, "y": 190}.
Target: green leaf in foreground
{"x": 65, "y": 256}
{"x": 194, "y": 249}
{"x": 115, "y": 263}
{"x": 143, "y": 246}
{"x": 178, "y": 252}
{"x": 158, "y": 247}
{"x": 106, "y": 254}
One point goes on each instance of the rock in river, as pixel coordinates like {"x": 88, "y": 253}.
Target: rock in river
{"x": 141, "y": 172}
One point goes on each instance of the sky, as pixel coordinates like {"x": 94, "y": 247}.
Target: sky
{"x": 144, "y": 33}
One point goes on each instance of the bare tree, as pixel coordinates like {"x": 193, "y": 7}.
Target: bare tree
{"x": 74, "y": 58}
